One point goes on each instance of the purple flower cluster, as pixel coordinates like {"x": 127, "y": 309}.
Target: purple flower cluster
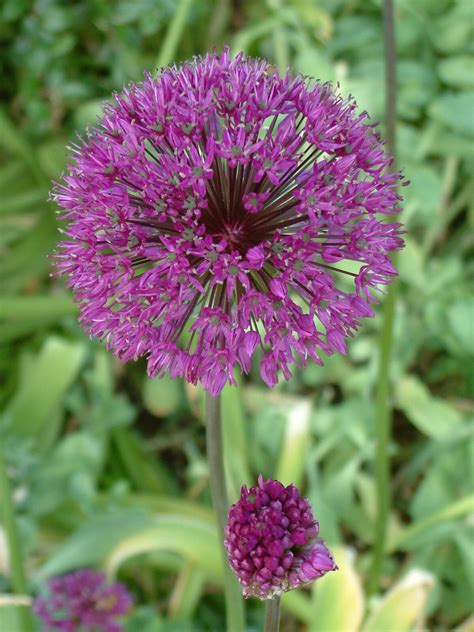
{"x": 271, "y": 540}
{"x": 220, "y": 209}
{"x": 83, "y": 601}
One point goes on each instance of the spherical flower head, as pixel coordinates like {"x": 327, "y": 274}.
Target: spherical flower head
{"x": 219, "y": 211}
{"x": 84, "y": 601}
{"x": 272, "y": 540}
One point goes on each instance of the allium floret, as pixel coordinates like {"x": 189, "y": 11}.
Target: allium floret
{"x": 220, "y": 210}
{"x": 83, "y": 600}
{"x": 272, "y": 540}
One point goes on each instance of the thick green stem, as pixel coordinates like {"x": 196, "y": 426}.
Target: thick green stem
{"x": 383, "y": 434}
{"x": 17, "y": 573}
{"x": 215, "y": 456}
{"x": 383, "y": 405}
{"x": 272, "y": 615}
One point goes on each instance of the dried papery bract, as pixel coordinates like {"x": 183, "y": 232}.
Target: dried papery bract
{"x": 233, "y": 205}
{"x": 272, "y": 541}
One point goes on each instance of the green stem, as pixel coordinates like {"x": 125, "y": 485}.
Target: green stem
{"x": 17, "y": 573}
{"x": 215, "y": 456}
{"x": 383, "y": 407}
{"x": 272, "y": 615}
{"x": 173, "y": 34}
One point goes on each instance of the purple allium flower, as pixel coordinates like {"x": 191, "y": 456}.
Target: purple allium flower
{"x": 83, "y": 601}
{"x": 271, "y": 540}
{"x": 233, "y": 205}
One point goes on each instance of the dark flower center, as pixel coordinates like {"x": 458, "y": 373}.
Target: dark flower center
{"x": 228, "y": 217}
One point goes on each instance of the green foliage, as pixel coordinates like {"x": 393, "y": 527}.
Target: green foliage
{"x": 109, "y": 467}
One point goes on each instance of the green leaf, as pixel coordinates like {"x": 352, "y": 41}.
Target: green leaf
{"x": 192, "y": 538}
{"x": 234, "y": 431}
{"x": 457, "y": 71}
{"x": 292, "y": 461}
{"x": 338, "y": 598}
{"x": 15, "y": 143}
{"x": 87, "y": 113}
{"x": 246, "y": 36}
{"x": 431, "y": 415}
{"x": 36, "y": 308}
{"x": 296, "y": 602}
{"x": 42, "y": 388}
{"x": 157, "y": 504}
{"x": 105, "y": 532}
{"x": 162, "y": 395}
{"x": 455, "y": 111}
{"x": 52, "y": 155}
{"x": 71, "y": 471}
{"x": 187, "y": 592}
{"x": 12, "y": 140}
{"x": 423, "y": 196}
{"x": 313, "y": 62}
{"x": 466, "y": 626}
{"x": 27, "y": 200}
{"x": 403, "y": 606}
{"x": 28, "y": 259}
{"x": 453, "y": 30}
{"x": 411, "y": 265}
{"x": 10, "y": 620}
{"x": 460, "y": 320}
{"x": 414, "y": 534}
{"x": 417, "y": 87}
{"x": 146, "y": 473}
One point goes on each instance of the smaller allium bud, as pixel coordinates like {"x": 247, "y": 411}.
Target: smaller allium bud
{"x": 271, "y": 540}
{"x": 83, "y": 600}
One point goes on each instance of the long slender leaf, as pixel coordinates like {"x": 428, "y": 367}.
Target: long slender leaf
{"x": 42, "y": 389}
{"x": 292, "y": 460}
{"x": 194, "y": 539}
{"x": 235, "y": 442}
{"x": 403, "y": 606}
{"x": 338, "y": 598}
{"x": 413, "y": 534}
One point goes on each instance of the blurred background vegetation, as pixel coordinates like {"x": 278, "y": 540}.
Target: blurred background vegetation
{"x": 108, "y": 467}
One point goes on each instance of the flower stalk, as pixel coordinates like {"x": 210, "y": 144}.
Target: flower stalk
{"x": 215, "y": 456}
{"x": 8, "y": 521}
{"x": 383, "y": 406}
{"x": 272, "y": 615}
